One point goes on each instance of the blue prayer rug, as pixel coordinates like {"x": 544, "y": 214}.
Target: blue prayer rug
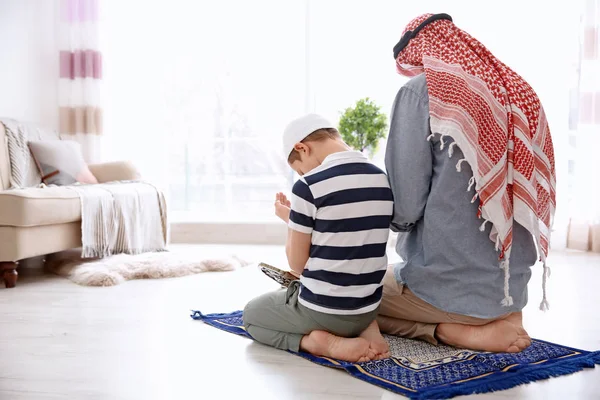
{"x": 419, "y": 370}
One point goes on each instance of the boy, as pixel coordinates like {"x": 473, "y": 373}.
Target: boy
{"x": 338, "y": 225}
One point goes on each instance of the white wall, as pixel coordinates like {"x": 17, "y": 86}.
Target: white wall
{"x": 28, "y": 61}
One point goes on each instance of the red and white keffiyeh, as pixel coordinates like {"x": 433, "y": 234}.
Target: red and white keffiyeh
{"x": 497, "y": 120}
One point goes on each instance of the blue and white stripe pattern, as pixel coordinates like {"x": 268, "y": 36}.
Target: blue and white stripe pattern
{"x": 346, "y": 206}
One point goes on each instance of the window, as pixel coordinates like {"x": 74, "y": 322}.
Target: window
{"x": 198, "y": 95}
{"x": 198, "y": 92}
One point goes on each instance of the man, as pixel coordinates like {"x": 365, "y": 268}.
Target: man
{"x": 471, "y": 166}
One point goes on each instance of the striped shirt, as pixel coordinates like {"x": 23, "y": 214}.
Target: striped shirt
{"x": 346, "y": 206}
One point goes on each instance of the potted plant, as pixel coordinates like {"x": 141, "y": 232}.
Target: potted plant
{"x": 363, "y": 125}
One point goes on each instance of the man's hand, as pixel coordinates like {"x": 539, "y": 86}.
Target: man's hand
{"x": 282, "y": 207}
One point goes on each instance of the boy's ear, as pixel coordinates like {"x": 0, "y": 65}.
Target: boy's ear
{"x": 301, "y": 147}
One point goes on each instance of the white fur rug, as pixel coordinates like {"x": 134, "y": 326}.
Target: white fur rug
{"x": 113, "y": 270}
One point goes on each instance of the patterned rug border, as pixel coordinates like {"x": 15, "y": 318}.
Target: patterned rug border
{"x": 491, "y": 382}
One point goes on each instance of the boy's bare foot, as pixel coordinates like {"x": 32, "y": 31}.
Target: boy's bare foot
{"x": 378, "y": 344}
{"x": 321, "y": 343}
{"x": 497, "y": 336}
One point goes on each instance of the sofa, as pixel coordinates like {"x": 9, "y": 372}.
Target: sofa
{"x": 39, "y": 221}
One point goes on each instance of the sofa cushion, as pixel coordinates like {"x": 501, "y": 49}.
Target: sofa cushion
{"x": 39, "y": 206}
{"x": 60, "y": 162}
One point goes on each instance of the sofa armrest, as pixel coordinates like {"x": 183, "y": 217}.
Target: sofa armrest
{"x": 115, "y": 171}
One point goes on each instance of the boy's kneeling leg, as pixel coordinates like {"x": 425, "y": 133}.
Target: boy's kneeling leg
{"x": 277, "y": 339}
{"x": 275, "y": 320}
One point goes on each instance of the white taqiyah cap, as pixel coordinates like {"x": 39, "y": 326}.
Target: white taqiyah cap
{"x": 300, "y": 128}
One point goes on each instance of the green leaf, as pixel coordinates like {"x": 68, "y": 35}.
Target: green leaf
{"x": 363, "y": 126}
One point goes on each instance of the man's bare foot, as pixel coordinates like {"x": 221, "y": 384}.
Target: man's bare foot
{"x": 321, "y": 343}
{"x": 497, "y": 336}
{"x": 516, "y": 319}
{"x": 378, "y": 344}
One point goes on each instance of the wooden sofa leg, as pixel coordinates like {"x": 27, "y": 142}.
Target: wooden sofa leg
{"x": 9, "y": 273}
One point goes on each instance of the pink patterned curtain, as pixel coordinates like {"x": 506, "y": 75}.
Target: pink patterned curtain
{"x": 80, "y": 110}
{"x": 584, "y": 165}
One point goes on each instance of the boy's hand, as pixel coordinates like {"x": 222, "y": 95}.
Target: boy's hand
{"x": 282, "y": 207}
{"x": 294, "y": 274}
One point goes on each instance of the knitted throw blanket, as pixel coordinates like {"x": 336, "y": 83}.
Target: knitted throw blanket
{"x": 121, "y": 217}
{"x": 24, "y": 171}
{"x": 497, "y": 120}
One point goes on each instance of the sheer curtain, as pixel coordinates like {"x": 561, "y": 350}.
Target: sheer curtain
{"x": 199, "y": 92}
{"x": 584, "y": 163}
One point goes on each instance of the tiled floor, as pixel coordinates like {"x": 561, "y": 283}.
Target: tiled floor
{"x": 136, "y": 341}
